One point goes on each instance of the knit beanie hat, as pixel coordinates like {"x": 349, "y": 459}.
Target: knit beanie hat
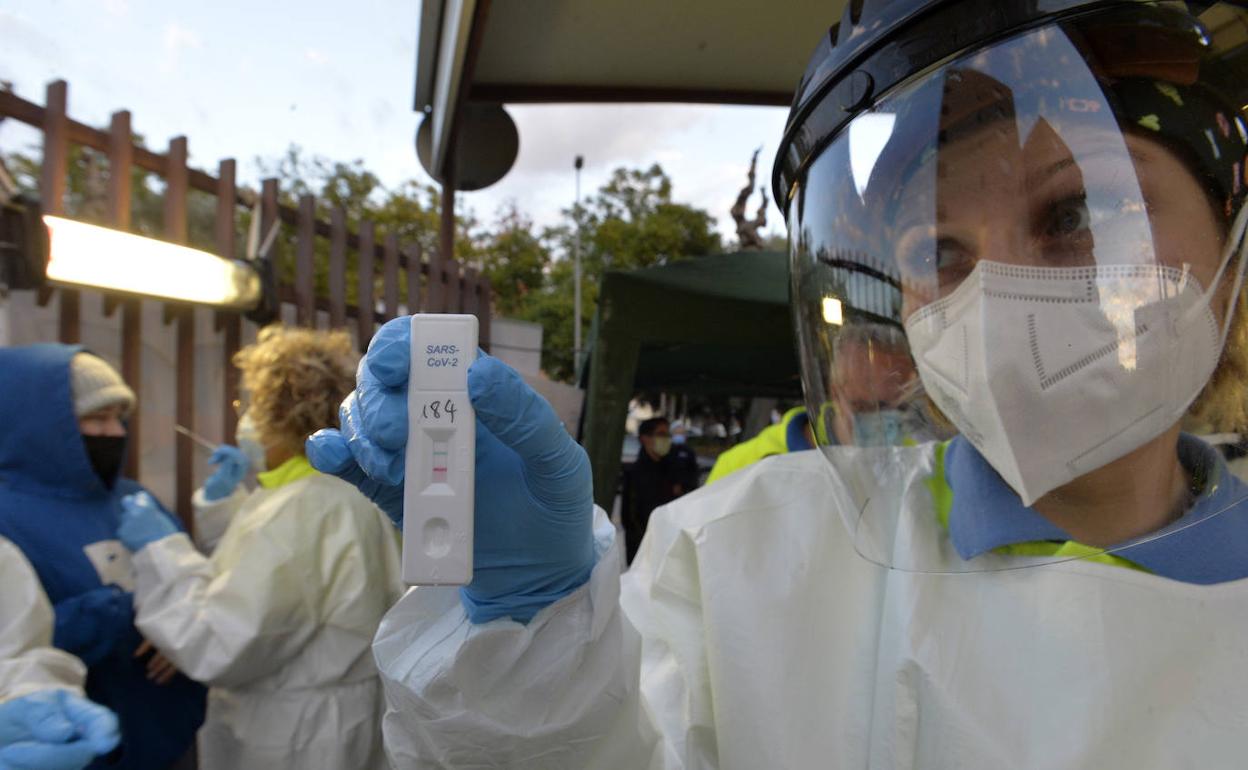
{"x": 96, "y": 385}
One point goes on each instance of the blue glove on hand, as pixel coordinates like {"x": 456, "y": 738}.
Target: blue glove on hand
{"x": 232, "y": 466}
{"x": 92, "y": 624}
{"x": 54, "y": 730}
{"x": 142, "y": 522}
{"x": 533, "y": 540}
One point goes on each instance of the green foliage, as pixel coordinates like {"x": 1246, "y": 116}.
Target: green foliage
{"x": 515, "y": 260}
{"x": 553, "y": 307}
{"x": 630, "y": 223}
{"x": 776, "y": 243}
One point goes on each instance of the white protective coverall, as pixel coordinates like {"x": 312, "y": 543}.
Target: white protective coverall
{"x": 278, "y": 621}
{"x": 763, "y": 640}
{"x": 28, "y": 661}
{"x": 212, "y": 519}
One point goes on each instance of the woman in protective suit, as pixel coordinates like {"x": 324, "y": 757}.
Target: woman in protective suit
{"x": 279, "y": 620}
{"x": 1048, "y": 200}
{"x": 45, "y": 722}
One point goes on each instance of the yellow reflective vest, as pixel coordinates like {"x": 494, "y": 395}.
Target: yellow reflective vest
{"x": 771, "y": 440}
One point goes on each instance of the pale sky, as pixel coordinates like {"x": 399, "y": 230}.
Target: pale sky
{"x": 246, "y": 79}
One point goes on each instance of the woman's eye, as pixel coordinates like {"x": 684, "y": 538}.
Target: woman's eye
{"x": 1065, "y": 232}
{"x": 929, "y": 262}
{"x": 953, "y": 260}
{"x": 1068, "y": 218}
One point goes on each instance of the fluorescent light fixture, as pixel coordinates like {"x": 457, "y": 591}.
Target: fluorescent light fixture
{"x": 83, "y": 255}
{"x": 832, "y": 311}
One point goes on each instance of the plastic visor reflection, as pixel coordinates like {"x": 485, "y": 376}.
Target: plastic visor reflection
{"x": 868, "y": 135}
{"x": 832, "y": 311}
{"x": 86, "y": 255}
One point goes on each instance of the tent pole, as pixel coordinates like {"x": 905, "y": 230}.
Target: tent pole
{"x": 576, "y": 272}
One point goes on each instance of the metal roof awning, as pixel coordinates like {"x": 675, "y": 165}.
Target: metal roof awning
{"x": 547, "y": 51}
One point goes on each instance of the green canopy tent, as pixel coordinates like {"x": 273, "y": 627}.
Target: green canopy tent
{"x": 712, "y": 325}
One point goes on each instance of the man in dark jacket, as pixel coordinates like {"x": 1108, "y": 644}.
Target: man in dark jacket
{"x": 683, "y": 459}
{"x": 61, "y": 452}
{"x": 649, "y": 482}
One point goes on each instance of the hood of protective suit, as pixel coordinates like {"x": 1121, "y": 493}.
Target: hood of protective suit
{"x": 41, "y": 448}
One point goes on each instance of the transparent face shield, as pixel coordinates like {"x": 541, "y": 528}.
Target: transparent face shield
{"x": 1018, "y": 284}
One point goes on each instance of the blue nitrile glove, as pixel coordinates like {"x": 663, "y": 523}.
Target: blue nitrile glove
{"x": 54, "y": 730}
{"x": 142, "y": 522}
{"x": 232, "y": 466}
{"x": 328, "y": 451}
{"x": 91, "y": 624}
{"x": 533, "y": 541}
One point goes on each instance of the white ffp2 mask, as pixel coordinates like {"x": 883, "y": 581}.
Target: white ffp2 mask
{"x": 1054, "y": 372}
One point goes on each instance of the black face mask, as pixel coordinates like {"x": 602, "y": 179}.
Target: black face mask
{"x": 106, "y": 454}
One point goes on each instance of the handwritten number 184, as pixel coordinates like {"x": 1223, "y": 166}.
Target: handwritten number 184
{"x": 434, "y": 410}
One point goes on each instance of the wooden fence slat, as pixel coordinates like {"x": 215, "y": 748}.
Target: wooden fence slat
{"x": 232, "y": 332}
{"x": 483, "y": 313}
{"x": 364, "y": 301}
{"x": 470, "y": 292}
{"x": 70, "y": 322}
{"x": 435, "y": 293}
{"x": 454, "y": 297}
{"x": 413, "y": 255}
{"x": 120, "y": 159}
{"x": 268, "y": 211}
{"x": 231, "y": 324}
{"x": 338, "y": 268}
{"x": 132, "y": 373}
{"x": 176, "y": 190}
{"x": 305, "y": 308}
{"x": 223, "y": 226}
{"x": 446, "y": 221}
{"x": 391, "y": 273}
{"x": 55, "y": 165}
{"x": 269, "y": 216}
{"x": 175, "y": 207}
{"x": 185, "y": 411}
{"x": 53, "y": 180}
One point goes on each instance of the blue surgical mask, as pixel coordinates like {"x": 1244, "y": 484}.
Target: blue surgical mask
{"x": 885, "y": 427}
{"x": 678, "y": 438}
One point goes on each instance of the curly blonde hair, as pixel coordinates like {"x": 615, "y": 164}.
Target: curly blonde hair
{"x": 296, "y": 378}
{"x": 1222, "y": 406}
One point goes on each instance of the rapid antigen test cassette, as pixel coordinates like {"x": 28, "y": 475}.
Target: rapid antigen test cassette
{"x": 441, "y": 452}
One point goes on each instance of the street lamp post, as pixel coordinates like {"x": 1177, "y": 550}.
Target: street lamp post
{"x": 576, "y": 272}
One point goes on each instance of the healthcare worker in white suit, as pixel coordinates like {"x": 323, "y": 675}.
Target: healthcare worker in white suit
{"x": 1048, "y": 200}
{"x": 45, "y": 722}
{"x": 279, "y": 619}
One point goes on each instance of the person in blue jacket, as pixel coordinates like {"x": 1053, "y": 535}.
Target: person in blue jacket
{"x": 61, "y": 454}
